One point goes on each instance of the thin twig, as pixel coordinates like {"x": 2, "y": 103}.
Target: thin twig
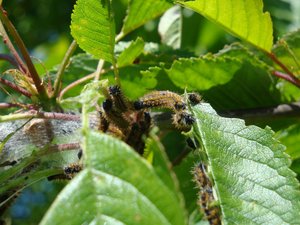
{"x": 293, "y": 79}
{"x": 99, "y": 69}
{"x": 74, "y": 84}
{"x": 9, "y": 58}
{"x": 15, "y": 87}
{"x": 62, "y": 68}
{"x": 33, "y": 73}
{"x": 22, "y": 67}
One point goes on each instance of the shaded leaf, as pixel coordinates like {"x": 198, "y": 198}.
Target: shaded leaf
{"x": 116, "y": 183}
{"x": 170, "y": 27}
{"x": 93, "y": 28}
{"x": 243, "y": 18}
{"x": 250, "y": 170}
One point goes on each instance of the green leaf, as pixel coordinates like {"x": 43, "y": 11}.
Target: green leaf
{"x": 117, "y": 184}
{"x": 203, "y": 73}
{"x": 93, "y": 28}
{"x": 250, "y": 171}
{"x": 140, "y": 11}
{"x": 131, "y": 53}
{"x": 243, "y": 18}
{"x": 170, "y": 27}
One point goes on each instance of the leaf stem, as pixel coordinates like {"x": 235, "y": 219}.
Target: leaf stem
{"x": 62, "y": 68}
{"x": 293, "y": 80}
{"x": 289, "y": 76}
{"x": 15, "y": 87}
{"x": 33, "y": 73}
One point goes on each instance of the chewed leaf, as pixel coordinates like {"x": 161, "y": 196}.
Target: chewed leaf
{"x": 251, "y": 174}
{"x": 93, "y": 28}
{"x": 243, "y": 18}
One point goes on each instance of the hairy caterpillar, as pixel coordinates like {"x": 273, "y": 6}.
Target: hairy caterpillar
{"x": 161, "y": 99}
{"x": 206, "y": 198}
{"x": 183, "y": 120}
{"x": 71, "y": 170}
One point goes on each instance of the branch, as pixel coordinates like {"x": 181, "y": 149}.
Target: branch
{"x": 43, "y": 115}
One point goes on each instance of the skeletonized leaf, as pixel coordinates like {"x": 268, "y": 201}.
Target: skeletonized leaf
{"x": 140, "y": 11}
{"x": 93, "y": 28}
{"x": 251, "y": 172}
{"x": 117, "y": 183}
{"x": 243, "y": 18}
{"x": 170, "y": 27}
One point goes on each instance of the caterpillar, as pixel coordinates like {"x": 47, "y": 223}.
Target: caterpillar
{"x": 183, "y": 120}
{"x": 71, "y": 170}
{"x": 194, "y": 98}
{"x": 120, "y": 102}
{"x": 138, "y": 130}
{"x": 113, "y": 116}
{"x": 206, "y": 198}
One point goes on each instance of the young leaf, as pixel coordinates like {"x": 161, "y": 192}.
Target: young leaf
{"x": 250, "y": 171}
{"x": 93, "y": 28}
{"x": 140, "y": 11}
{"x": 131, "y": 53}
{"x": 243, "y": 18}
{"x": 170, "y": 27}
{"x": 116, "y": 184}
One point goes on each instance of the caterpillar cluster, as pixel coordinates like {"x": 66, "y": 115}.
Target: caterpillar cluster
{"x": 206, "y": 199}
{"x": 131, "y": 121}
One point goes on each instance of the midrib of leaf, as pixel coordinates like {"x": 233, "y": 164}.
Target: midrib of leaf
{"x": 243, "y": 18}
{"x": 249, "y": 169}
